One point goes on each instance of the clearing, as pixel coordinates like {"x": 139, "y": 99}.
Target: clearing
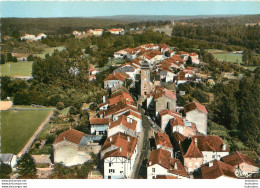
{"x": 49, "y": 51}
{"x": 17, "y": 127}
{"x": 20, "y": 68}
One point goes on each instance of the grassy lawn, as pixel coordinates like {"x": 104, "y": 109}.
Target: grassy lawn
{"x": 21, "y": 68}
{"x": 229, "y": 57}
{"x": 17, "y": 126}
{"x": 48, "y": 51}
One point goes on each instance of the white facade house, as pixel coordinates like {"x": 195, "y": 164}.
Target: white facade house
{"x": 119, "y": 153}
{"x": 98, "y": 32}
{"x": 118, "y": 31}
{"x": 198, "y": 114}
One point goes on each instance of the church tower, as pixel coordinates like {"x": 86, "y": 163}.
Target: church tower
{"x": 145, "y": 79}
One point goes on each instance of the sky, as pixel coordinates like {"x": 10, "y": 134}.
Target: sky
{"x": 111, "y": 8}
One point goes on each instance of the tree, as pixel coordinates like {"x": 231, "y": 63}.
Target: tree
{"x": 2, "y": 61}
{"x": 5, "y": 170}
{"x": 189, "y": 61}
{"x": 30, "y": 57}
{"x": 60, "y": 105}
{"x": 9, "y": 57}
{"x": 26, "y": 167}
{"x": 14, "y": 59}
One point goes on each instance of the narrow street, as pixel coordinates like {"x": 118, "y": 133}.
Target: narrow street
{"x": 143, "y": 147}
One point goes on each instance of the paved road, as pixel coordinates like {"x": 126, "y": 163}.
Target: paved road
{"x": 144, "y": 147}
{"x": 30, "y": 142}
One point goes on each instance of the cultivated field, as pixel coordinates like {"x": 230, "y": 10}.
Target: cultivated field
{"x": 17, "y": 127}
{"x": 21, "y": 68}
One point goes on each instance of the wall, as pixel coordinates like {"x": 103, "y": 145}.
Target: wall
{"x": 179, "y": 129}
{"x": 112, "y": 83}
{"x": 200, "y": 119}
{"x": 208, "y": 155}
{"x": 191, "y": 164}
{"x": 69, "y": 154}
{"x": 161, "y": 104}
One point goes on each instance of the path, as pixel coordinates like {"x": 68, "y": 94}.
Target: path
{"x": 36, "y": 133}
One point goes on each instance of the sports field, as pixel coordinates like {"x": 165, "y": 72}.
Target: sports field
{"x": 17, "y": 127}
{"x": 21, "y": 68}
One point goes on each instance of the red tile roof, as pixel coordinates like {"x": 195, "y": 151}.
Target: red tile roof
{"x": 194, "y": 105}
{"x": 122, "y": 120}
{"x": 163, "y": 158}
{"x": 178, "y": 137}
{"x": 71, "y": 135}
{"x": 165, "y": 177}
{"x": 161, "y": 91}
{"x": 120, "y": 140}
{"x": 162, "y": 139}
{"x": 170, "y": 112}
{"x": 152, "y": 54}
{"x": 114, "y": 30}
{"x": 217, "y": 170}
{"x": 99, "y": 121}
{"x": 204, "y": 143}
{"x": 116, "y": 76}
{"x": 237, "y": 158}
{"x": 176, "y": 121}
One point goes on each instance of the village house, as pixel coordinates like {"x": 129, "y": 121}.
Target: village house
{"x": 73, "y": 147}
{"x": 217, "y": 170}
{"x": 165, "y": 116}
{"x": 198, "y": 114}
{"x": 164, "y": 48}
{"x": 93, "y": 71}
{"x": 114, "y": 81}
{"x": 152, "y": 57}
{"x": 169, "y": 53}
{"x": 97, "y": 32}
{"x": 27, "y": 37}
{"x": 119, "y": 153}
{"x": 195, "y": 58}
{"x": 160, "y": 99}
{"x": 8, "y": 158}
{"x": 124, "y": 125}
{"x": 200, "y": 149}
{"x": 128, "y": 68}
{"x": 180, "y": 78}
{"x": 160, "y": 163}
{"x": 118, "y": 31}
{"x": 162, "y": 141}
{"x": 99, "y": 126}
{"x": 128, "y": 53}
{"x": 184, "y": 55}
{"x": 243, "y": 165}
{"x": 150, "y": 46}
{"x": 166, "y": 74}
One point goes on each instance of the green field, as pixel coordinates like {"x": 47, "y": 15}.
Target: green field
{"x": 48, "y": 51}
{"x": 17, "y": 127}
{"x": 21, "y": 68}
{"x": 229, "y": 57}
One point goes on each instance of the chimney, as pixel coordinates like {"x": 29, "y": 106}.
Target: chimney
{"x": 160, "y": 162}
{"x": 120, "y": 149}
{"x": 150, "y": 163}
{"x": 104, "y": 99}
{"x": 224, "y": 147}
{"x": 128, "y": 138}
{"x": 196, "y": 141}
{"x": 64, "y": 138}
{"x": 210, "y": 163}
{"x": 175, "y": 166}
{"x": 110, "y": 139}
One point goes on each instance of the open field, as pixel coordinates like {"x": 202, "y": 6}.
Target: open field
{"x": 229, "y": 57}
{"x": 17, "y": 126}
{"x": 48, "y": 51}
{"x": 21, "y": 68}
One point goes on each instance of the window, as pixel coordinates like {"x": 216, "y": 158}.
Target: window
{"x": 110, "y": 164}
{"x": 121, "y": 172}
{"x": 213, "y": 156}
{"x": 111, "y": 170}
{"x": 153, "y": 169}
{"x": 196, "y": 164}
